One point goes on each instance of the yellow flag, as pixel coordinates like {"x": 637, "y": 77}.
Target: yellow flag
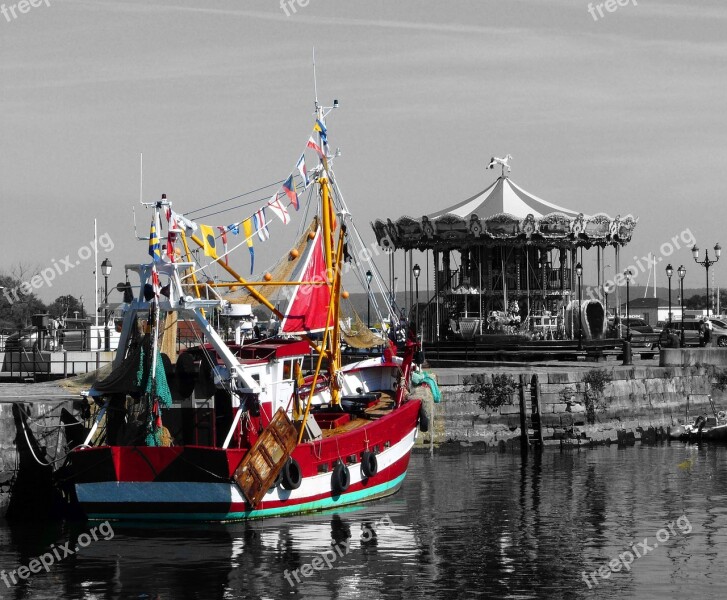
{"x": 247, "y": 228}
{"x": 208, "y": 239}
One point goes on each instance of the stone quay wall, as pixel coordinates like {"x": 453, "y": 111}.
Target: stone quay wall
{"x": 639, "y": 402}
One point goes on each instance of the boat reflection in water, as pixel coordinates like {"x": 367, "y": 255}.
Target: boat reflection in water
{"x": 247, "y": 559}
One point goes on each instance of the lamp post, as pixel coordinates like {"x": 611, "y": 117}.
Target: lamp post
{"x": 106, "y": 271}
{"x": 669, "y": 273}
{"x": 369, "y": 275}
{"x": 417, "y": 271}
{"x": 627, "y": 273}
{"x": 682, "y": 273}
{"x": 579, "y": 272}
{"x": 706, "y": 263}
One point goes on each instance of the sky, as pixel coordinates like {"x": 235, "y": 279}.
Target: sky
{"x": 621, "y": 113}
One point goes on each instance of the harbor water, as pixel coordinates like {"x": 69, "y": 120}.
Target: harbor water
{"x": 608, "y": 522}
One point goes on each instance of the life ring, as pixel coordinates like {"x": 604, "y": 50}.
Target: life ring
{"x": 369, "y": 464}
{"x": 292, "y": 476}
{"x": 577, "y": 228}
{"x": 722, "y": 415}
{"x": 423, "y": 420}
{"x": 340, "y": 478}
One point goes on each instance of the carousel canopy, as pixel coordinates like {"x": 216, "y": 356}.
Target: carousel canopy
{"x": 504, "y": 213}
{"x": 503, "y": 197}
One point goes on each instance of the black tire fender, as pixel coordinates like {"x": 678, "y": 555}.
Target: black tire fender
{"x": 423, "y": 420}
{"x": 292, "y": 476}
{"x": 340, "y": 478}
{"x": 369, "y": 464}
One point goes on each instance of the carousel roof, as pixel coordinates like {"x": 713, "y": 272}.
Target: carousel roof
{"x": 503, "y": 197}
{"x": 504, "y": 213}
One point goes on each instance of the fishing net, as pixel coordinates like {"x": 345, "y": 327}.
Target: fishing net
{"x": 282, "y": 271}
{"x": 360, "y": 336}
{"x": 157, "y": 395}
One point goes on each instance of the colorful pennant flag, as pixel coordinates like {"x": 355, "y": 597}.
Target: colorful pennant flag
{"x": 247, "y": 228}
{"x": 208, "y": 240}
{"x": 314, "y": 146}
{"x": 154, "y": 247}
{"x": 234, "y": 228}
{"x": 261, "y": 225}
{"x": 223, "y": 236}
{"x": 280, "y": 211}
{"x": 291, "y": 192}
{"x": 321, "y": 128}
{"x": 155, "y": 285}
{"x": 303, "y": 171}
{"x": 180, "y": 224}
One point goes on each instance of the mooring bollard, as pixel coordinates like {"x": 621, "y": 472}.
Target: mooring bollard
{"x": 627, "y": 353}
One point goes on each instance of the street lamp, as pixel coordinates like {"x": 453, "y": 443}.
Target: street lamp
{"x": 579, "y": 272}
{"x": 369, "y": 276}
{"x": 669, "y": 273}
{"x": 106, "y": 271}
{"x": 682, "y": 273}
{"x": 417, "y": 271}
{"x": 627, "y": 273}
{"x": 706, "y": 263}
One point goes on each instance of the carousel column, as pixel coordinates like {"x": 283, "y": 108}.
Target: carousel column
{"x": 543, "y": 262}
{"x": 617, "y": 254}
{"x": 436, "y": 289}
{"x": 479, "y": 285}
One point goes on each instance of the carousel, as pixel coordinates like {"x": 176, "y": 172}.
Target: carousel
{"x": 507, "y": 262}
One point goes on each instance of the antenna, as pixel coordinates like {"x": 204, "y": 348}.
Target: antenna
{"x": 315, "y": 82}
{"x": 141, "y": 178}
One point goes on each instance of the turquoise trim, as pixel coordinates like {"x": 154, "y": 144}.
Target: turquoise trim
{"x": 378, "y": 491}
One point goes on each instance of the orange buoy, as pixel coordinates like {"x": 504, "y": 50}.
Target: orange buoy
{"x": 344, "y": 295}
{"x": 267, "y": 277}
{"x": 294, "y": 254}
{"x": 311, "y": 235}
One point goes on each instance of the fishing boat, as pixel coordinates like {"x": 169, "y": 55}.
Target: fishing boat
{"x": 229, "y": 430}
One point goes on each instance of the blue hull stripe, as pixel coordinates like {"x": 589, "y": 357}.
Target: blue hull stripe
{"x": 378, "y": 491}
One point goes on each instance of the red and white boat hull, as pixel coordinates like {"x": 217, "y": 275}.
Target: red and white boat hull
{"x": 195, "y": 483}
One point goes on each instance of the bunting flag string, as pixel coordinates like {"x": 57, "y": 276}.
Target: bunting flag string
{"x": 291, "y": 192}
{"x": 223, "y": 236}
{"x": 257, "y": 223}
{"x": 300, "y": 165}
{"x": 247, "y": 228}
{"x": 278, "y": 209}
{"x": 261, "y": 226}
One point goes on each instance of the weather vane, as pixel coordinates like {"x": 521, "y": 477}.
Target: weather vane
{"x": 503, "y": 162}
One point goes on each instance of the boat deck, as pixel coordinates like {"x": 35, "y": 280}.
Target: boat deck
{"x": 383, "y": 407}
